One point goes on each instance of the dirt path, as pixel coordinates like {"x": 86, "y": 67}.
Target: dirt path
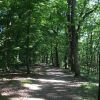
{"x": 50, "y": 84}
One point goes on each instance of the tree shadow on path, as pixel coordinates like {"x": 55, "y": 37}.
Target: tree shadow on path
{"x": 47, "y": 84}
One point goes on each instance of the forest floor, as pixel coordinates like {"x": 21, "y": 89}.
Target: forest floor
{"x": 46, "y": 84}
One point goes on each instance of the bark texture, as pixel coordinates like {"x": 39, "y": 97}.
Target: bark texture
{"x": 73, "y": 36}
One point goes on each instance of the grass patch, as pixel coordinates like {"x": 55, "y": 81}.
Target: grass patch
{"x": 90, "y": 91}
{"x": 26, "y": 81}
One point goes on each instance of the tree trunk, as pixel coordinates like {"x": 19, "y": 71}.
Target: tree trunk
{"x": 74, "y": 52}
{"x": 91, "y": 52}
{"x": 51, "y": 56}
{"x": 87, "y": 56}
{"x": 73, "y": 35}
{"x": 27, "y": 57}
{"x": 27, "y": 47}
{"x": 7, "y": 44}
{"x": 99, "y": 80}
{"x": 56, "y": 56}
{"x": 47, "y": 59}
{"x": 65, "y": 61}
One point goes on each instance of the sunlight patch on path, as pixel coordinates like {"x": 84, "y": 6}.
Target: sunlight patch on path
{"x": 43, "y": 80}
{"x": 26, "y": 99}
{"x": 32, "y": 86}
{"x": 51, "y": 81}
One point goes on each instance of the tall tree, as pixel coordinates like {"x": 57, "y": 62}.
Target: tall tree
{"x": 73, "y": 35}
{"x": 74, "y": 29}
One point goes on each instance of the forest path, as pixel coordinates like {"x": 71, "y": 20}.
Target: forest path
{"x": 49, "y": 84}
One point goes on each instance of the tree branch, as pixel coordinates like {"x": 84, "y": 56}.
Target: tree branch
{"x": 85, "y": 16}
{"x": 84, "y": 5}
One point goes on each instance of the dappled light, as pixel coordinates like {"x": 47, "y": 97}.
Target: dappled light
{"x": 49, "y": 49}
{"x": 47, "y": 87}
{"x": 20, "y": 98}
{"x": 50, "y": 81}
{"x": 32, "y": 86}
{"x": 26, "y": 99}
